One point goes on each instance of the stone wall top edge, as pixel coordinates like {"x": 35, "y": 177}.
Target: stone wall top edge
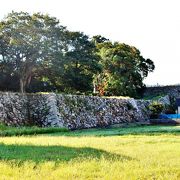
{"x": 67, "y": 95}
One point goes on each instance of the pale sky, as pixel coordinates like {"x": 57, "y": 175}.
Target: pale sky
{"x": 153, "y": 26}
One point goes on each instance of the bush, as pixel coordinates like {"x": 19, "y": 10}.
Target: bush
{"x": 155, "y": 108}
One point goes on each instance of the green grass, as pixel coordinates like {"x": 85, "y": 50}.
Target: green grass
{"x": 148, "y": 152}
{"x": 137, "y": 130}
{"x": 110, "y": 131}
{"x": 19, "y": 131}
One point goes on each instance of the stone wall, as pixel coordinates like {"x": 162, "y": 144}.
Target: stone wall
{"x": 71, "y": 111}
{"x": 173, "y": 91}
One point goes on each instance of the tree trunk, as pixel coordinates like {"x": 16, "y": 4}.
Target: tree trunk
{"x": 22, "y": 86}
{"x": 25, "y": 79}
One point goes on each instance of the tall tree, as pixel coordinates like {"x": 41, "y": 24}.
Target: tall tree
{"x": 79, "y": 66}
{"x": 28, "y": 41}
{"x": 124, "y": 69}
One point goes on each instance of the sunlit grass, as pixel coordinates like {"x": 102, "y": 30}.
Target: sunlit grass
{"x": 91, "y": 157}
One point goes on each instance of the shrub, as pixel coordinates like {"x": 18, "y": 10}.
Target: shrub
{"x": 155, "y": 108}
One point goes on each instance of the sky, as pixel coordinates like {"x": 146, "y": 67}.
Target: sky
{"x": 152, "y": 26}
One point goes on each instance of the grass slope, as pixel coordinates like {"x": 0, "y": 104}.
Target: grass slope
{"x": 135, "y": 130}
{"x": 14, "y": 131}
{"x": 91, "y": 154}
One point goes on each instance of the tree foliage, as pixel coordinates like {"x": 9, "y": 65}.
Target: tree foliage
{"x": 80, "y": 63}
{"x": 37, "y": 53}
{"x": 27, "y": 42}
{"x": 124, "y": 69}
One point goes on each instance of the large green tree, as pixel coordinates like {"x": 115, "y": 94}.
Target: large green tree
{"x": 124, "y": 69}
{"x": 28, "y": 42}
{"x": 75, "y": 73}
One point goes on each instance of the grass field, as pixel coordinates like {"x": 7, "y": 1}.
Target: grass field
{"x": 19, "y": 131}
{"x": 151, "y": 152}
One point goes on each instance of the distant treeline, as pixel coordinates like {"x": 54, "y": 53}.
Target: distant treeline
{"x": 37, "y": 53}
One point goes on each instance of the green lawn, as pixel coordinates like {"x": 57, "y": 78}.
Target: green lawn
{"x": 19, "y": 131}
{"x": 148, "y": 152}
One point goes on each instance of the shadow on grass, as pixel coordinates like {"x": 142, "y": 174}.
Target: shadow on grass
{"x": 22, "y": 153}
